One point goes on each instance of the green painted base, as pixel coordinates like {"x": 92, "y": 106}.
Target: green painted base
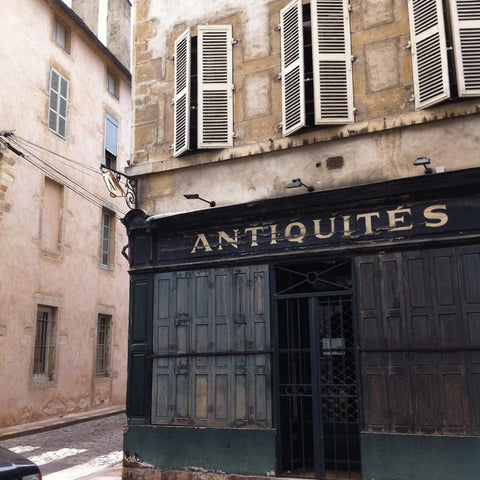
{"x": 419, "y": 457}
{"x": 237, "y": 451}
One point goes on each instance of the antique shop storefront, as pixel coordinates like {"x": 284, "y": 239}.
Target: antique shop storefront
{"x": 316, "y": 335}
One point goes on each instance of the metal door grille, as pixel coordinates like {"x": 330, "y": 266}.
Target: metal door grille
{"x": 317, "y": 380}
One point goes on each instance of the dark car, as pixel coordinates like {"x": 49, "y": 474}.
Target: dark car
{"x": 16, "y": 467}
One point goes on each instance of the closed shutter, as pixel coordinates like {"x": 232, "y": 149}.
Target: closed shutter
{"x": 58, "y": 104}
{"x": 429, "y": 52}
{"x": 211, "y": 332}
{"x": 182, "y": 66}
{"x": 292, "y": 64}
{"x": 332, "y": 61}
{"x": 215, "y": 86}
{"x": 466, "y": 41}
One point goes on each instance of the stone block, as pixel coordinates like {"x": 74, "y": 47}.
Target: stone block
{"x": 381, "y": 62}
{"x": 257, "y": 95}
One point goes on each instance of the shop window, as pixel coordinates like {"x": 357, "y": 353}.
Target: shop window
{"x": 445, "y": 38}
{"x": 316, "y": 64}
{"x": 58, "y": 103}
{"x": 111, "y": 142}
{"x": 45, "y": 343}
{"x": 61, "y": 35}
{"x": 102, "y": 363}
{"x": 203, "y": 90}
{"x": 108, "y": 219}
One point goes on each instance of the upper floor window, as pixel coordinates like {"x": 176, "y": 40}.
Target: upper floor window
{"x": 112, "y": 84}
{"x": 316, "y": 64}
{"x": 203, "y": 86}
{"x": 61, "y": 36}
{"x": 438, "y": 27}
{"x": 111, "y": 142}
{"x": 58, "y": 104}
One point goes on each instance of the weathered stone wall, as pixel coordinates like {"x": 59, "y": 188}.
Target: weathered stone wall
{"x": 382, "y": 143}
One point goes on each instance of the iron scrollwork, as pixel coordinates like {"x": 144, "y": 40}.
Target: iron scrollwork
{"x": 113, "y": 180}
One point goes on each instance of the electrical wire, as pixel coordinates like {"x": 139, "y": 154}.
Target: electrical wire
{"x": 12, "y": 143}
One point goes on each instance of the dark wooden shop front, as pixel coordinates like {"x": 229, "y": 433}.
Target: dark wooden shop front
{"x": 330, "y": 333}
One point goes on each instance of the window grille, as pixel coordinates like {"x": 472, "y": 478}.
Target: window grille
{"x": 103, "y": 346}
{"x": 45, "y": 340}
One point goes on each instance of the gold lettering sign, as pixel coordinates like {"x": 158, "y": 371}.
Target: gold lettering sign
{"x": 319, "y": 230}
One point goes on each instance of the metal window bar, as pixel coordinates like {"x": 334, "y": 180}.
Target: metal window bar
{"x": 103, "y": 334}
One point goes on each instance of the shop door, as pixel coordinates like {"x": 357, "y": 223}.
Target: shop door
{"x": 316, "y": 372}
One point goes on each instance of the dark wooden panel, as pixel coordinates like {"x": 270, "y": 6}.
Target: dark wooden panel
{"x": 205, "y": 313}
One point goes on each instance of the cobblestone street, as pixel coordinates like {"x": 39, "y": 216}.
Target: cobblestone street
{"x": 88, "y": 450}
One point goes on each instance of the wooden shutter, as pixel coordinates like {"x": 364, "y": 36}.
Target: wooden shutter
{"x": 215, "y": 86}
{"x": 111, "y": 135}
{"x": 182, "y": 65}
{"x": 429, "y": 52}
{"x": 465, "y": 17}
{"x": 197, "y": 316}
{"x": 332, "y": 61}
{"x": 292, "y": 65}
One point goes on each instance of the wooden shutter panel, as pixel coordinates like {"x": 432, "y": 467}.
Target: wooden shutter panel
{"x": 429, "y": 52}
{"x": 215, "y": 86}
{"x": 58, "y": 104}
{"x": 292, "y": 64}
{"x": 182, "y": 65}
{"x": 466, "y": 40}
{"x": 332, "y": 61}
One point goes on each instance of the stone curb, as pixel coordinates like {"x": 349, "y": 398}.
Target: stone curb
{"x": 60, "y": 422}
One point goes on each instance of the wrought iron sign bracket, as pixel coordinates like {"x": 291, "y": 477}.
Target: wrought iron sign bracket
{"x": 114, "y": 180}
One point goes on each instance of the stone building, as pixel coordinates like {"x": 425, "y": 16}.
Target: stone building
{"x": 64, "y": 110}
{"x": 304, "y": 259}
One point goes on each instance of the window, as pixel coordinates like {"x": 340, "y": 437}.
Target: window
{"x": 208, "y": 77}
{"x": 435, "y": 27}
{"x": 107, "y": 237}
{"x": 316, "y": 64}
{"x": 61, "y": 36}
{"x": 112, "y": 84}
{"x": 111, "y": 142}
{"x": 45, "y": 342}
{"x": 58, "y": 103}
{"x": 102, "y": 364}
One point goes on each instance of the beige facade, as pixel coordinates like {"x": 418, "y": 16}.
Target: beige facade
{"x": 63, "y": 280}
{"x": 388, "y": 132}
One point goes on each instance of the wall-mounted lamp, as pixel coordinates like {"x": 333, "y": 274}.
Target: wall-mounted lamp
{"x": 423, "y": 161}
{"x": 296, "y": 182}
{"x": 196, "y": 196}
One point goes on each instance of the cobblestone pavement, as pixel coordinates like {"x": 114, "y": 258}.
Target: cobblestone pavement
{"x": 88, "y": 450}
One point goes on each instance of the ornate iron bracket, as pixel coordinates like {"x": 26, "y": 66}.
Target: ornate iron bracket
{"x": 113, "y": 180}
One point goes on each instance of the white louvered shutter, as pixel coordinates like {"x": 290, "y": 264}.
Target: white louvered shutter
{"x": 466, "y": 41}
{"x": 332, "y": 61}
{"x": 215, "y": 86}
{"x": 181, "y": 99}
{"x": 58, "y": 103}
{"x": 429, "y": 52}
{"x": 292, "y": 68}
